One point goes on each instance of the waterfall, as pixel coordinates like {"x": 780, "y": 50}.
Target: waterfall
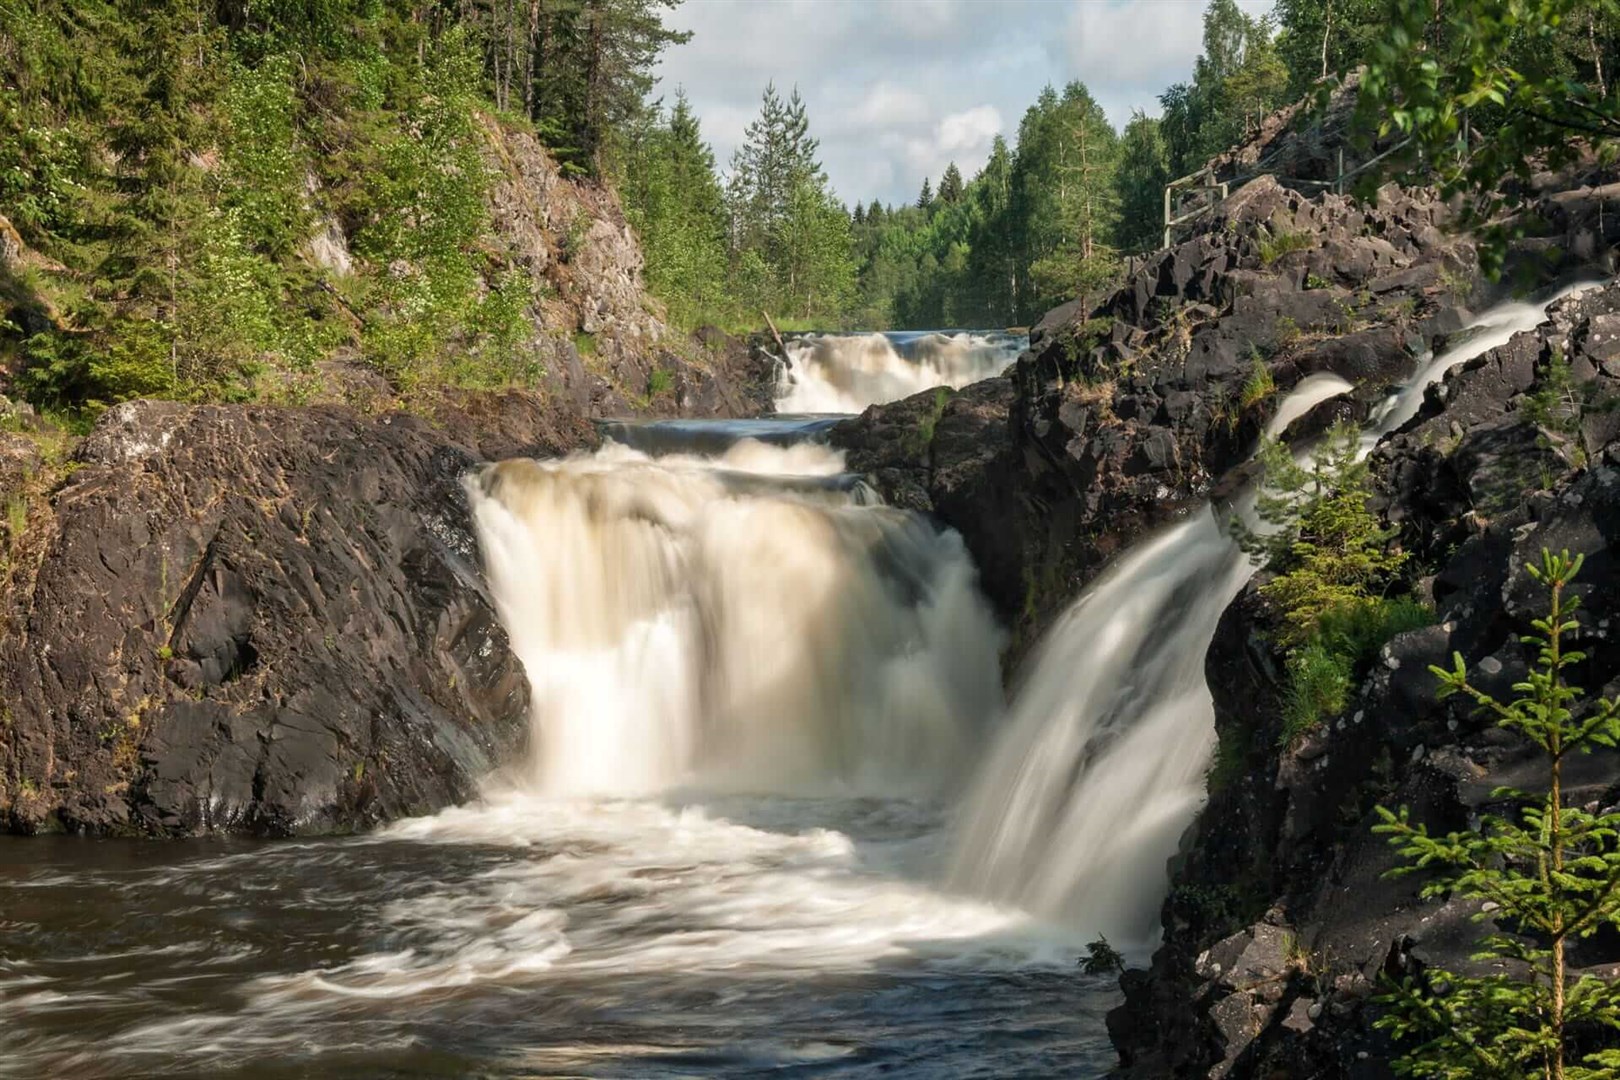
{"x": 844, "y": 373}
{"x": 750, "y": 622}
{"x": 1099, "y": 766}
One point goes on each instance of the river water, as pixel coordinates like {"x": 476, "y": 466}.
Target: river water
{"x": 759, "y": 695}
{"x": 777, "y": 818}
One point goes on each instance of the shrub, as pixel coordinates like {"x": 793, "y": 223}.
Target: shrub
{"x": 1259, "y": 386}
{"x": 1332, "y": 560}
{"x": 1274, "y": 246}
{"x": 1102, "y": 958}
{"x": 1344, "y": 639}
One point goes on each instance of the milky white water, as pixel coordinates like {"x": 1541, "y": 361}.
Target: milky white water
{"x": 844, "y": 373}
{"x": 1099, "y": 767}
{"x": 751, "y": 622}
{"x": 759, "y": 701}
{"x": 756, "y": 694}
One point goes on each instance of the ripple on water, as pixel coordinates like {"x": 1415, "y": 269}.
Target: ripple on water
{"x": 525, "y": 936}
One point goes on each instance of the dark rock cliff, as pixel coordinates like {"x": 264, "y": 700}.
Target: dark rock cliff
{"x": 1118, "y": 419}
{"x": 1280, "y": 925}
{"x": 265, "y": 619}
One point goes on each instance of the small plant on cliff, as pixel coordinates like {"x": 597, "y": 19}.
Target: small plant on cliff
{"x": 1259, "y": 385}
{"x": 1550, "y": 874}
{"x": 1332, "y": 562}
{"x": 1557, "y": 406}
{"x": 1275, "y": 246}
{"x": 1102, "y": 958}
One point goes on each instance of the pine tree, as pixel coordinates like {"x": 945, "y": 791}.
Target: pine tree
{"x": 592, "y": 64}
{"x": 925, "y": 198}
{"x": 1063, "y": 200}
{"x": 1549, "y": 873}
{"x": 674, "y": 200}
{"x": 1144, "y": 170}
{"x": 950, "y": 185}
{"x": 790, "y": 240}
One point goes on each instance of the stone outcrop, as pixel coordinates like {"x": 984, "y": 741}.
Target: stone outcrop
{"x": 601, "y": 336}
{"x": 1121, "y": 417}
{"x": 1479, "y": 484}
{"x": 261, "y": 619}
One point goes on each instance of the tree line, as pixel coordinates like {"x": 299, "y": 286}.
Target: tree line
{"x": 1048, "y": 217}
{"x": 162, "y": 154}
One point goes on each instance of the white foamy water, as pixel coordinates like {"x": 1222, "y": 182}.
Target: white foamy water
{"x": 1100, "y": 766}
{"x": 845, "y": 373}
{"x": 750, "y": 622}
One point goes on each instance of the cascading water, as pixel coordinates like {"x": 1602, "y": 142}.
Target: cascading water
{"x": 1100, "y": 764}
{"x": 755, "y": 689}
{"x": 748, "y": 622}
{"x": 844, "y": 373}
{"x": 755, "y": 692}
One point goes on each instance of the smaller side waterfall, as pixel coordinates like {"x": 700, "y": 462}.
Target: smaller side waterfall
{"x": 844, "y": 373}
{"x": 1101, "y": 762}
{"x": 754, "y": 622}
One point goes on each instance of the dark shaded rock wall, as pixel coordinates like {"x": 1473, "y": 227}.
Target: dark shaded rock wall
{"x": 1117, "y": 420}
{"x": 1282, "y": 863}
{"x": 261, "y": 619}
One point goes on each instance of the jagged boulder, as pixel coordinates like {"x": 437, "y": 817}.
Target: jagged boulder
{"x": 1124, "y": 414}
{"x": 1479, "y": 483}
{"x": 262, "y": 619}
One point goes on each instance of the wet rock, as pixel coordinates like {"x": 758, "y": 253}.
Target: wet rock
{"x": 265, "y": 620}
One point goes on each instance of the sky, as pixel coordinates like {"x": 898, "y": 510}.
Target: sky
{"x": 896, "y": 89}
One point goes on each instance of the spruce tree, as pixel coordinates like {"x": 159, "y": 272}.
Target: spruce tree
{"x": 1144, "y": 170}
{"x": 925, "y": 198}
{"x": 1548, "y": 874}
{"x": 950, "y": 185}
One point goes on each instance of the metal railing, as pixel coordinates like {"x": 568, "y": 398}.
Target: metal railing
{"x": 1214, "y": 192}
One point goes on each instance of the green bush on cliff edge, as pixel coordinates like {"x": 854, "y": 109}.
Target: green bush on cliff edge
{"x": 1333, "y": 563}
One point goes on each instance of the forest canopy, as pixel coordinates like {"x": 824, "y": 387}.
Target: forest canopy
{"x": 171, "y": 158}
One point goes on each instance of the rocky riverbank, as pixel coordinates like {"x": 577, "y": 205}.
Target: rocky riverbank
{"x": 1279, "y": 924}
{"x": 1119, "y": 419}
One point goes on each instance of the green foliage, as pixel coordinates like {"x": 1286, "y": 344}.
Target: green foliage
{"x": 790, "y": 238}
{"x": 1557, "y": 406}
{"x": 1237, "y": 80}
{"x": 1144, "y": 170}
{"x": 592, "y": 63}
{"x": 1491, "y": 90}
{"x": 1274, "y": 246}
{"x": 1258, "y": 386}
{"x": 175, "y": 157}
{"x": 1550, "y": 874}
{"x": 660, "y": 382}
{"x": 922, "y": 437}
{"x": 1331, "y": 561}
{"x": 1322, "y": 667}
{"x": 1325, "y": 546}
{"x": 1102, "y": 958}
{"x": 675, "y": 202}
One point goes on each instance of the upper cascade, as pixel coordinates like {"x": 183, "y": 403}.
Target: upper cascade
{"x": 754, "y": 622}
{"x": 845, "y": 373}
{"x": 1101, "y": 763}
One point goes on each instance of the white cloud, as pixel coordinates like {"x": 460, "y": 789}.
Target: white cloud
{"x": 969, "y": 130}
{"x": 887, "y": 103}
{"x": 897, "y": 89}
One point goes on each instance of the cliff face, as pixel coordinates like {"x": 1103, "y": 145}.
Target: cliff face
{"x": 603, "y": 332}
{"x": 1119, "y": 419}
{"x": 271, "y": 619}
{"x": 1279, "y": 924}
